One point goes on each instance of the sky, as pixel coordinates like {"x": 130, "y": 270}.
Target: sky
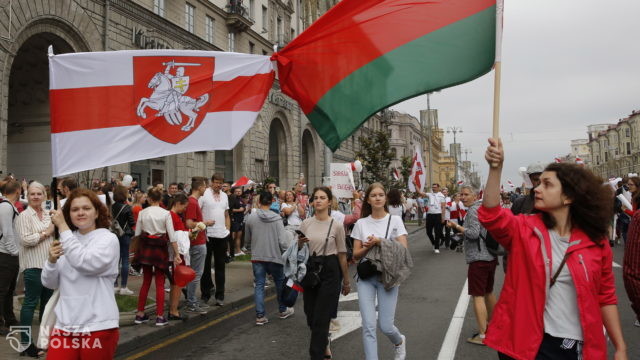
{"x": 566, "y": 64}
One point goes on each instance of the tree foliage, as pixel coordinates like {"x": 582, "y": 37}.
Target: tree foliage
{"x": 376, "y": 157}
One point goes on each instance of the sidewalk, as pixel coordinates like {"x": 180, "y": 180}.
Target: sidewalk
{"x": 135, "y": 338}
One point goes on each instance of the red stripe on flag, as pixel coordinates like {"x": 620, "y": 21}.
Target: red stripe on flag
{"x": 114, "y": 106}
{"x": 370, "y": 29}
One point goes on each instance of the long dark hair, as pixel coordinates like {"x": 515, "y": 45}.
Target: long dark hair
{"x": 394, "y": 198}
{"x": 635, "y": 199}
{"x": 366, "y": 207}
{"x": 591, "y": 205}
{"x": 325, "y": 190}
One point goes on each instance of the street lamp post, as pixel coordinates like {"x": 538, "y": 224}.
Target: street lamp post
{"x": 455, "y": 130}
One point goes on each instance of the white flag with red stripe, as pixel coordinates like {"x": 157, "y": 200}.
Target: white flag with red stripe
{"x": 114, "y": 107}
{"x": 396, "y": 174}
{"x": 418, "y": 174}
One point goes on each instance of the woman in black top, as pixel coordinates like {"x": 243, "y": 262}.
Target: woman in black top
{"x": 236, "y": 210}
{"x": 121, "y": 212}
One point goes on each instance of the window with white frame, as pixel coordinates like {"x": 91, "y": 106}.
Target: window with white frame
{"x": 189, "y": 11}
{"x": 209, "y": 24}
{"x": 158, "y": 7}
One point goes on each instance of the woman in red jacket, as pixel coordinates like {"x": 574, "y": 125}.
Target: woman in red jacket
{"x": 559, "y": 290}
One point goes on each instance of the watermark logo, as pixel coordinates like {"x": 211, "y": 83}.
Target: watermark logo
{"x": 14, "y": 337}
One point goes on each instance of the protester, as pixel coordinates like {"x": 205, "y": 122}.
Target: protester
{"x": 237, "y": 209}
{"x": 380, "y": 232}
{"x": 419, "y": 207}
{"x": 631, "y": 266}
{"x": 198, "y": 248}
{"x": 326, "y": 268}
{"x": 215, "y": 205}
{"x": 634, "y": 188}
{"x": 265, "y": 231}
{"x": 556, "y": 297}
{"x": 506, "y": 201}
{"x": 83, "y": 266}
{"x": 293, "y": 211}
{"x": 35, "y": 231}
{"x": 226, "y": 188}
{"x": 482, "y": 264}
{"x": 524, "y": 204}
{"x": 172, "y": 190}
{"x": 177, "y": 205}
{"x": 155, "y": 228}
{"x": 435, "y": 216}
{"x": 446, "y": 210}
{"x": 65, "y": 187}
{"x": 121, "y": 212}
{"x": 9, "y": 252}
{"x": 139, "y": 199}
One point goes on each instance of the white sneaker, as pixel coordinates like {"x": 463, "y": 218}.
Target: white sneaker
{"x": 436, "y": 251}
{"x": 116, "y": 289}
{"x": 285, "y": 314}
{"x": 401, "y": 350}
{"x": 125, "y": 291}
{"x": 239, "y": 254}
{"x": 637, "y": 323}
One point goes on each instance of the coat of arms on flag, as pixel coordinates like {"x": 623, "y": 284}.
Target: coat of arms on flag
{"x": 171, "y": 93}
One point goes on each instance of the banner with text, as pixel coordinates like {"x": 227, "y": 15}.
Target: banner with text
{"x": 341, "y": 180}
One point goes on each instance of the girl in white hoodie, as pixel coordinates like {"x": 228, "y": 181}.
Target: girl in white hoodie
{"x": 83, "y": 266}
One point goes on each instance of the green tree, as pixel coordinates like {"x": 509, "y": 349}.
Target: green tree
{"x": 376, "y": 156}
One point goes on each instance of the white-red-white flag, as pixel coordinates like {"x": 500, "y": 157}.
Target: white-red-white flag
{"x": 460, "y": 182}
{"x": 114, "y": 107}
{"x": 243, "y": 181}
{"x": 558, "y": 160}
{"x": 396, "y": 174}
{"x": 418, "y": 174}
{"x": 579, "y": 161}
{"x": 510, "y": 183}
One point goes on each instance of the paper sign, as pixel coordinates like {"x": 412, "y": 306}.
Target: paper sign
{"x": 341, "y": 186}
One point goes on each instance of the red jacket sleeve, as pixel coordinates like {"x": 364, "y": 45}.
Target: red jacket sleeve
{"x": 355, "y": 215}
{"x": 607, "y": 293}
{"x": 501, "y": 223}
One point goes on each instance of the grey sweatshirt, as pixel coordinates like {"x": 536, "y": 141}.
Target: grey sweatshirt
{"x": 472, "y": 233}
{"x": 265, "y": 230}
{"x": 9, "y": 240}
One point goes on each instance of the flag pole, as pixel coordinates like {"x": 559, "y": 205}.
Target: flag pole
{"x": 497, "y": 72}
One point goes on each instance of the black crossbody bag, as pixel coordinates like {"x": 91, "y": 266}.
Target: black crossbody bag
{"x": 315, "y": 265}
{"x": 366, "y": 268}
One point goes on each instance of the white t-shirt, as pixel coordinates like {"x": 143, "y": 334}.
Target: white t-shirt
{"x": 294, "y": 217}
{"x": 435, "y": 203}
{"x": 447, "y": 213}
{"x": 378, "y": 227}
{"x": 215, "y": 209}
{"x": 561, "y": 313}
{"x": 396, "y": 210}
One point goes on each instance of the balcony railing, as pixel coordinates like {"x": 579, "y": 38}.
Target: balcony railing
{"x": 238, "y": 16}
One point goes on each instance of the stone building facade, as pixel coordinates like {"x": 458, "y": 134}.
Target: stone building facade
{"x": 615, "y": 148}
{"x": 281, "y": 144}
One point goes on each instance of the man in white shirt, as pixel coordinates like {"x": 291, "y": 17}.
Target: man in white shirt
{"x": 435, "y": 216}
{"x": 215, "y": 206}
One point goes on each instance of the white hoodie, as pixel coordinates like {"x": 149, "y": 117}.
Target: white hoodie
{"x": 85, "y": 275}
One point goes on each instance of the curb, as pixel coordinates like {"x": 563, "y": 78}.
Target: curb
{"x": 416, "y": 230}
{"x": 141, "y": 342}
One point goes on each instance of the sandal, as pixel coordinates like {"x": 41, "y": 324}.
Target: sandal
{"x": 328, "y": 348}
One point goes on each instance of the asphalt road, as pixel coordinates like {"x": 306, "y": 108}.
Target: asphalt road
{"x": 425, "y": 309}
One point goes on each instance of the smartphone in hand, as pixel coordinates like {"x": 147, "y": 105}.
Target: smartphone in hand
{"x": 301, "y": 234}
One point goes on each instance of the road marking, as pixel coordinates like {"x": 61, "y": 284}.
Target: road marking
{"x": 450, "y": 343}
{"x": 616, "y": 265}
{"x": 193, "y": 331}
{"x": 349, "y": 321}
{"x": 351, "y": 297}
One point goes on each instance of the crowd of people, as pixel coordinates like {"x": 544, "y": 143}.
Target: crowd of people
{"x": 554, "y": 239}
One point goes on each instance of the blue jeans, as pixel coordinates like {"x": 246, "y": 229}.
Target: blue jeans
{"x": 367, "y": 291}
{"x": 197, "y": 254}
{"x": 125, "y": 241}
{"x": 260, "y": 271}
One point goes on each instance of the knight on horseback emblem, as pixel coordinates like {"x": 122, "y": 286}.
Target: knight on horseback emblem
{"x": 168, "y": 97}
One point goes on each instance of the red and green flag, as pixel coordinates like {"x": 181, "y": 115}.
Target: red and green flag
{"x": 363, "y": 56}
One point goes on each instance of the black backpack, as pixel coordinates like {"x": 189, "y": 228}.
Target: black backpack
{"x": 492, "y": 245}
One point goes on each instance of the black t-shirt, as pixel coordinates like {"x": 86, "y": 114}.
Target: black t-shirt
{"x": 236, "y": 203}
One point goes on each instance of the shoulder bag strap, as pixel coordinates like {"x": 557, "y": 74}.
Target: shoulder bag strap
{"x": 388, "y": 223}
{"x": 120, "y": 212}
{"x": 555, "y": 276}
{"x": 326, "y": 240}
